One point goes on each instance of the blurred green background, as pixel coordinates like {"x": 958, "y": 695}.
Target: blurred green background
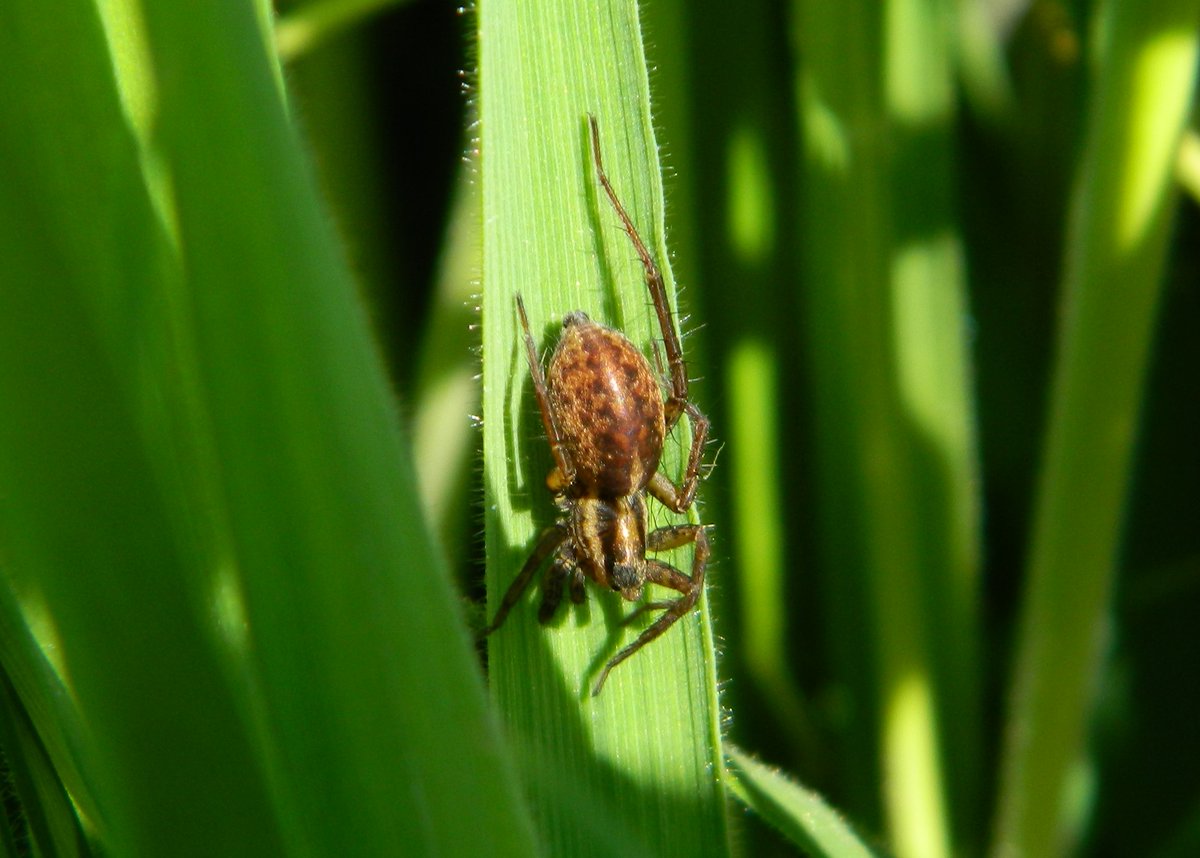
{"x": 938, "y": 267}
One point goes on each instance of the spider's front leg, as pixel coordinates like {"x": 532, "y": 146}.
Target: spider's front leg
{"x": 564, "y": 571}
{"x": 564, "y": 468}
{"x": 666, "y": 575}
{"x": 678, "y": 498}
{"x": 552, "y": 537}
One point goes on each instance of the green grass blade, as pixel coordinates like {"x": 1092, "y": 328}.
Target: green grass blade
{"x": 800, "y": 814}
{"x": 339, "y": 571}
{"x": 1188, "y": 166}
{"x": 227, "y": 612}
{"x": 897, "y": 469}
{"x": 981, "y": 63}
{"x": 643, "y": 759}
{"x": 743, "y": 152}
{"x": 1119, "y": 223}
{"x": 330, "y": 90}
{"x": 91, "y": 561}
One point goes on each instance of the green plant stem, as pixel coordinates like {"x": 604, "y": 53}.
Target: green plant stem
{"x": 1119, "y": 223}
{"x": 895, "y": 427}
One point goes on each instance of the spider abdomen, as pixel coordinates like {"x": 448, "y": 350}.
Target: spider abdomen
{"x": 609, "y": 408}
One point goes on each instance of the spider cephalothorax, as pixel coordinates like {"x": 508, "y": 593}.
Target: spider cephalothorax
{"x": 606, "y": 420}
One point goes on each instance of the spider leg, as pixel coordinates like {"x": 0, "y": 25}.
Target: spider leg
{"x": 552, "y": 591}
{"x": 664, "y": 539}
{"x": 552, "y": 537}
{"x": 679, "y": 498}
{"x": 563, "y": 570}
{"x": 666, "y": 575}
{"x": 578, "y": 586}
{"x": 564, "y": 467}
{"x": 654, "y": 278}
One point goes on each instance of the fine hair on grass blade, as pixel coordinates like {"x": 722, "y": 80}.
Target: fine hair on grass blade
{"x": 799, "y": 814}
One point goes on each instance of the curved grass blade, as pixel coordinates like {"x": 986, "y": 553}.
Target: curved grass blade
{"x": 216, "y": 571}
{"x": 800, "y": 814}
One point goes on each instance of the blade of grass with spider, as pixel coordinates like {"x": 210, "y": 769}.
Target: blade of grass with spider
{"x": 644, "y": 757}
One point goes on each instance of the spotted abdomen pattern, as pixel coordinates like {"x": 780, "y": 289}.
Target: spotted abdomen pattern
{"x": 609, "y": 408}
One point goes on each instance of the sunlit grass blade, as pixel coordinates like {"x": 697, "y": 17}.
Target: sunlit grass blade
{"x": 644, "y": 757}
{"x": 980, "y": 42}
{"x": 800, "y": 814}
{"x": 897, "y": 470}
{"x": 1187, "y": 167}
{"x": 221, "y": 606}
{"x": 97, "y": 583}
{"x": 1121, "y": 212}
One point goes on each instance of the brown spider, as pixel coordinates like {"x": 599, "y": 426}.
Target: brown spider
{"x": 605, "y": 418}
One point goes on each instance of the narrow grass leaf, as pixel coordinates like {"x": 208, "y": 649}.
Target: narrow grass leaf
{"x": 307, "y": 25}
{"x": 337, "y": 568}
{"x": 230, "y": 628}
{"x": 50, "y": 823}
{"x": 643, "y": 759}
{"x": 1119, "y": 222}
{"x": 800, "y": 814}
{"x": 446, "y": 379}
{"x": 897, "y": 469}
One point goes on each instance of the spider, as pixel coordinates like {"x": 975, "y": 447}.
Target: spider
{"x": 606, "y": 419}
